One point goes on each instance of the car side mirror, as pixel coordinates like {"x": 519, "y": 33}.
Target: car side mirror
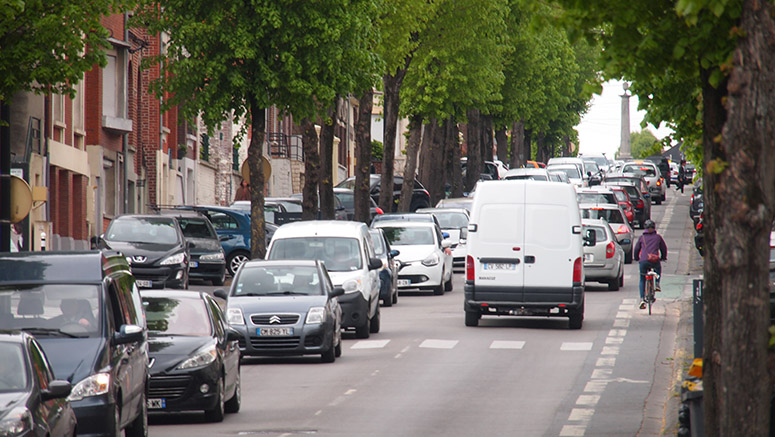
{"x": 224, "y": 237}
{"x": 590, "y": 238}
{"x": 374, "y": 263}
{"x": 337, "y": 291}
{"x": 56, "y": 389}
{"x": 647, "y": 196}
{"x": 221, "y": 293}
{"x": 393, "y": 253}
{"x": 232, "y": 334}
{"x": 128, "y": 334}
{"x": 446, "y": 244}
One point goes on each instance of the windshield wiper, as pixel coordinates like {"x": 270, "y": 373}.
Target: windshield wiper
{"x": 50, "y": 331}
{"x": 287, "y": 293}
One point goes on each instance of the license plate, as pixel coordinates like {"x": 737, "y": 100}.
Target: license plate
{"x": 156, "y": 404}
{"x": 143, "y": 283}
{"x": 194, "y": 264}
{"x": 403, "y": 282}
{"x": 274, "y": 332}
{"x": 588, "y": 257}
{"x": 500, "y": 266}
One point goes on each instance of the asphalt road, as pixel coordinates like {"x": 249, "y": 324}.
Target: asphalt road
{"x": 427, "y": 374}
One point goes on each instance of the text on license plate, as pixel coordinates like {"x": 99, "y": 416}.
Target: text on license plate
{"x": 194, "y": 264}
{"x": 500, "y": 266}
{"x": 274, "y": 332}
{"x": 143, "y": 283}
{"x": 155, "y": 404}
{"x": 403, "y": 282}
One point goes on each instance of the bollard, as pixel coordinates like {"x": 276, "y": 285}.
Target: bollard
{"x": 697, "y": 304}
{"x": 42, "y": 241}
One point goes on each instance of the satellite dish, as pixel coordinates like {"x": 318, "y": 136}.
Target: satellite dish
{"x": 245, "y": 170}
{"x": 21, "y": 199}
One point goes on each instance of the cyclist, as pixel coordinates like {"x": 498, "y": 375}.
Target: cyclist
{"x": 650, "y": 250}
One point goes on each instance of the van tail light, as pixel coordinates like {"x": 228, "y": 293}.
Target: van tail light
{"x": 577, "y": 270}
{"x": 380, "y": 211}
{"x": 610, "y": 250}
{"x": 469, "y": 268}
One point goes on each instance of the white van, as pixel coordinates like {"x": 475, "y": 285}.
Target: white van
{"x": 347, "y": 252}
{"x": 565, "y": 160}
{"x": 525, "y": 253}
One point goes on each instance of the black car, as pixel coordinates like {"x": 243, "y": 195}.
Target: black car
{"x": 640, "y": 203}
{"x": 285, "y": 307}
{"x": 697, "y": 202}
{"x": 32, "y": 401}
{"x": 85, "y": 311}
{"x": 194, "y": 354}
{"x": 420, "y": 196}
{"x": 347, "y": 198}
{"x": 154, "y": 246}
{"x": 208, "y": 261}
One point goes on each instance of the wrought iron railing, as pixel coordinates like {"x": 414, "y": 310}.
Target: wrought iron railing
{"x": 285, "y": 146}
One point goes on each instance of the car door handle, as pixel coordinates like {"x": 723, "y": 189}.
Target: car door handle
{"x": 530, "y": 259}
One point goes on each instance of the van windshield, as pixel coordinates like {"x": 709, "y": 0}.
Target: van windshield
{"x": 340, "y": 254}
{"x": 65, "y": 310}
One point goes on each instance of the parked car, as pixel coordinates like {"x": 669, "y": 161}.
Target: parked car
{"x": 664, "y": 167}
{"x": 32, "y": 401}
{"x": 405, "y": 217}
{"x": 208, "y": 261}
{"x": 495, "y": 169}
{"x": 623, "y": 199}
{"x": 345, "y": 248}
{"x": 425, "y": 263}
{"x": 85, "y": 310}
{"x": 640, "y": 202}
{"x": 347, "y": 198}
{"x": 651, "y": 174}
{"x": 155, "y": 247}
{"x": 699, "y": 238}
{"x": 286, "y": 307}
{"x": 420, "y": 196}
{"x": 697, "y": 202}
{"x": 571, "y": 172}
{"x": 195, "y": 358}
{"x": 604, "y": 260}
{"x": 340, "y": 210}
{"x": 453, "y": 223}
{"x": 536, "y": 174}
{"x": 388, "y": 274}
{"x": 614, "y": 215}
{"x": 233, "y": 229}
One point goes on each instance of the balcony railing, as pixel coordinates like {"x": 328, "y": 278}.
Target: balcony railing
{"x": 285, "y": 146}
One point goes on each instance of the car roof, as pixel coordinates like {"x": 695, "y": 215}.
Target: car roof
{"x": 280, "y": 262}
{"x": 322, "y": 228}
{"x": 13, "y": 336}
{"x": 443, "y": 210}
{"x": 594, "y": 190}
{"x": 600, "y": 206}
{"x": 176, "y": 294}
{"x": 594, "y": 222}
{"x": 404, "y": 224}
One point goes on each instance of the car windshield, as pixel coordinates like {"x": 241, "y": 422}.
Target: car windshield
{"x": 278, "y": 281}
{"x": 65, "y": 310}
{"x": 571, "y": 172}
{"x": 14, "y": 373}
{"x": 159, "y": 230}
{"x": 172, "y": 316}
{"x": 601, "y": 161}
{"x": 451, "y": 220}
{"x": 595, "y": 198}
{"x": 196, "y": 228}
{"x": 340, "y": 254}
{"x": 609, "y": 215}
{"x": 408, "y": 236}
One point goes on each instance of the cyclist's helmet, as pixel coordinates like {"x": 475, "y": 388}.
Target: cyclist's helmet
{"x": 649, "y": 224}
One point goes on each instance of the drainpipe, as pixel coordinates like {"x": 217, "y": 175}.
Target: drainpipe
{"x": 160, "y": 170}
{"x": 125, "y": 138}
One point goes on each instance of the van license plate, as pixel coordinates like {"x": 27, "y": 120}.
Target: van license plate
{"x": 274, "y": 332}
{"x": 500, "y": 266}
{"x": 143, "y": 283}
{"x": 403, "y": 282}
{"x": 156, "y": 404}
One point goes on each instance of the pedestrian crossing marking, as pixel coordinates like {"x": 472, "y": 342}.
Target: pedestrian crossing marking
{"x": 370, "y": 344}
{"x": 502, "y": 344}
{"x": 573, "y": 430}
{"x": 438, "y": 344}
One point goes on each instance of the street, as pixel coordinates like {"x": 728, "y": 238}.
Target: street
{"x": 426, "y": 374}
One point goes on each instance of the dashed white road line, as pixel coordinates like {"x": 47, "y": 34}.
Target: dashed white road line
{"x": 438, "y": 344}
{"x": 370, "y": 344}
{"x": 502, "y": 344}
{"x": 578, "y": 346}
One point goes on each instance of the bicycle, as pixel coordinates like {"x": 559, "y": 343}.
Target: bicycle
{"x": 651, "y": 287}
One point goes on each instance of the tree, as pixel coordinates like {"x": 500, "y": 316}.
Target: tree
{"x": 708, "y": 69}
{"x": 256, "y": 54}
{"x": 643, "y": 144}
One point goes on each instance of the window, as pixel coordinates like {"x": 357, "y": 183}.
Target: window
{"x": 222, "y": 221}
{"x": 113, "y": 85}
{"x": 204, "y": 149}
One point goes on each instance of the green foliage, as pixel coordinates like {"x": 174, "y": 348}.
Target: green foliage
{"x": 376, "y": 150}
{"x": 644, "y": 144}
{"x": 399, "y": 23}
{"x": 43, "y": 43}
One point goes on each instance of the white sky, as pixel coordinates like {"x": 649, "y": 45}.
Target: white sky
{"x": 600, "y": 129}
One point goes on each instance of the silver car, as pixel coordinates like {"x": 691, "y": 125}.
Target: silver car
{"x": 651, "y": 174}
{"x": 615, "y": 217}
{"x": 453, "y": 222}
{"x": 603, "y": 262}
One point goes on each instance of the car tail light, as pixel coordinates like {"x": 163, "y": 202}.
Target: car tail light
{"x": 380, "y": 211}
{"x": 659, "y": 182}
{"x": 610, "y": 250}
{"x": 699, "y": 228}
{"x": 639, "y": 204}
{"x": 577, "y": 270}
{"x": 469, "y": 268}
{"x": 622, "y": 229}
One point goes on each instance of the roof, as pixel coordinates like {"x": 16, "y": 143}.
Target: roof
{"x": 59, "y": 267}
{"x": 176, "y": 294}
{"x": 323, "y": 228}
{"x": 404, "y": 224}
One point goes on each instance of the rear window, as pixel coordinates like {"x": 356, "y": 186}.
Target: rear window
{"x": 596, "y": 198}
{"x": 609, "y": 215}
{"x": 451, "y": 220}
{"x": 640, "y": 169}
{"x": 600, "y": 234}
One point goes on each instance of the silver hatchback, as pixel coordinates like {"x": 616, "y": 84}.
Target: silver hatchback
{"x": 603, "y": 262}
{"x": 614, "y": 215}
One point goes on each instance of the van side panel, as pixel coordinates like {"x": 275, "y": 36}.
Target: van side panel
{"x": 501, "y": 231}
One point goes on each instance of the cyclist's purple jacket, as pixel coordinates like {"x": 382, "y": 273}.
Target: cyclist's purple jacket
{"x": 650, "y": 242}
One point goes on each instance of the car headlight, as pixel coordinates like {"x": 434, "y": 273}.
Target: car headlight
{"x": 95, "y": 385}
{"x": 316, "y": 315}
{"x": 234, "y": 316}
{"x": 352, "y": 286}
{"x": 17, "y": 422}
{"x": 432, "y": 260}
{"x": 174, "y": 259}
{"x": 212, "y": 256}
{"x": 202, "y": 357}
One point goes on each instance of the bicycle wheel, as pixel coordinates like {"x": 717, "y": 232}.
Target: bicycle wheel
{"x": 650, "y": 292}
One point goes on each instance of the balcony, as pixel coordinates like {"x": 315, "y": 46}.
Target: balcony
{"x": 285, "y": 146}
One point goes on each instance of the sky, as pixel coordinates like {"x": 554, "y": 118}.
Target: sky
{"x": 600, "y": 128}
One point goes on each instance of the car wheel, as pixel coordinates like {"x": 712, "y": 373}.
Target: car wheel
{"x": 621, "y": 280}
{"x": 219, "y": 281}
{"x": 233, "y": 404}
{"x": 438, "y": 291}
{"x": 576, "y": 318}
{"x": 139, "y": 426}
{"x": 329, "y": 356}
{"x": 338, "y": 347}
{"x": 363, "y": 330}
{"x": 448, "y": 285}
{"x": 628, "y": 257}
{"x": 472, "y": 318}
{"x": 116, "y": 419}
{"x": 613, "y": 284}
{"x": 217, "y": 412}
{"x": 235, "y": 260}
{"x": 388, "y": 301}
{"x": 375, "y": 322}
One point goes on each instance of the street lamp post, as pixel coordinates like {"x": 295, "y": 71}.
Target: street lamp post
{"x": 624, "y": 147}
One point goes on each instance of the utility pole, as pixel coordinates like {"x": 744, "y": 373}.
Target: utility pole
{"x": 624, "y": 147}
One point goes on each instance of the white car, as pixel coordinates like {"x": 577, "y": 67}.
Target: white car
{"x": 651, "y": 174}
{"x": 426, "y": 261}
{"x": 453, "y": 222}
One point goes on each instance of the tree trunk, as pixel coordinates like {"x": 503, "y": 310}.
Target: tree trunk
{"x": 392, "y": 84}
{"x": 517, "y": 157}
{"x": 474, "y": 151}
{"x": 487, "y": 143}
{"x": 363, "y": 157}
{"x": 433, "y": 161}
{"x": 527, "y": 145}
{"x": 412, "y": 150}
{"x": 326, "y": 165}
{"x": 255, "y": 161}
{"x": 309, "y": 143}
{"x": 542, "y": 154}
{"x": 456, "y": 169}
{"x": 428, "y": 154}
{"x": 502, "y": 144}
{"x": 741, "y": 212}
